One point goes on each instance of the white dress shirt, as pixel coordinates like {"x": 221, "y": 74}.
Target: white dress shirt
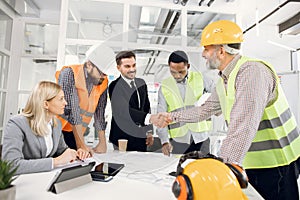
{"x": 48, "y": 139}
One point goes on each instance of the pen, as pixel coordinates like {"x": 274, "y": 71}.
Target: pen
{"x": 79, "y": 159}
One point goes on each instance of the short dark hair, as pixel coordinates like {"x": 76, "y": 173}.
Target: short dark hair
{"x": 124, "y": 54}
{"x": 178, "y": 57}
{"x": 235, "y": 45}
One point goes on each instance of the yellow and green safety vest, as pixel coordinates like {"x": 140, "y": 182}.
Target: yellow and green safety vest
{"x": 194, "y": 91}
{"x": 277, "y": 141}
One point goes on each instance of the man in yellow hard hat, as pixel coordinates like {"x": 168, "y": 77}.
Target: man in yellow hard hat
{"x": 262, "y": 132}
{"x": 85, "y": 89}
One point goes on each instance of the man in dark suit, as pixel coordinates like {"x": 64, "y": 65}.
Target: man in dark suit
{"x": 130, "y": 106}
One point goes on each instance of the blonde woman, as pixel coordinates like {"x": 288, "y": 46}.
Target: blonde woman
{"x": 33, "y": 140}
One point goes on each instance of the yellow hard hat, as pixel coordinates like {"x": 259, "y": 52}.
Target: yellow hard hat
{"x": 221, "y": 32}
{"x": 207, "y": 179}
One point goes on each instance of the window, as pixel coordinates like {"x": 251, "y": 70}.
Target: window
{"x": 5, "y": 41}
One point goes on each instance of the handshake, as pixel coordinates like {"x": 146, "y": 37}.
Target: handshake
{"x": 161, "y": 120}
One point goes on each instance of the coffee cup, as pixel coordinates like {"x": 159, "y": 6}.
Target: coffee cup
{"x": 122, "y": 145}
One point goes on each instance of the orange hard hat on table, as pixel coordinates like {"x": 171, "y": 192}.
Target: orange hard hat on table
{"x": 207, "y": 179}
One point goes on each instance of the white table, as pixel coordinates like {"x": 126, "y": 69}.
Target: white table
{"x": 145, "y": 176}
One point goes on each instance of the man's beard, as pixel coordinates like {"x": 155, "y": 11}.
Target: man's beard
{"x": 214, "y": 62}
{"x": 128, "y": 74}
{"x": 97, "y": 81}
{"x": 181, "y": 80}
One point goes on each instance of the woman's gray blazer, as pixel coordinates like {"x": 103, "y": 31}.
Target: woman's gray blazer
{"x": 28, "y": 151}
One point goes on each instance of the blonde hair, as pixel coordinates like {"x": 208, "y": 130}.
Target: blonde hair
{"x": 34, "y": 109}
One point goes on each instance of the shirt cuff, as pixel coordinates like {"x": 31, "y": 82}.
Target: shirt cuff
{"x": 163, "y": 135}
{"x": 174, "y": 116}
{"x": 52, "y": 163}
{"x": 164, "y": 140}
{"x": 147, "y": 119}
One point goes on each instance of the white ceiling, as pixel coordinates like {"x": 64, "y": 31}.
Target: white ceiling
{"x": 48, "y": 4}
{"x": 100, "y": 20}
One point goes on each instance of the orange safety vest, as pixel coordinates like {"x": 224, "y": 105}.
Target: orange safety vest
{"x": 87, "y": 103}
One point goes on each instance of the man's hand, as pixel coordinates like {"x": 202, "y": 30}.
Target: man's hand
{"x": 149, "y": 139}
{"x": 101, "y": 146}
{"x": 83, "y": 154}
{"x": 161, "y": 120}
{"x": 167, "y": 149}
{"x": 78, "y": 135}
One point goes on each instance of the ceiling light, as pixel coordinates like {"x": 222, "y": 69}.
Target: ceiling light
{"x": 290, "y": 26}
{"x": 200, "y": 2}
{"x": 210, "y": 2}
{"x": 176, "y": 1}
{"x": 183, "y": 2}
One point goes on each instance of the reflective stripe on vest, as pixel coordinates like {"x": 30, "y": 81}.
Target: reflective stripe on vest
{"x": 87, "y": 103}
{"x": 64, "y": 119}
{"x": 277, "y": 140}
{"x": 194, "y": 90}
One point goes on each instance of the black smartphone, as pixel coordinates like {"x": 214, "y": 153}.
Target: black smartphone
{"x": 107, "y": 168}
{"x": 100, "y": 177}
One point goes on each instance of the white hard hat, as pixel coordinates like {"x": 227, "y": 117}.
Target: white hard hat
{"x": 102, "y": 56}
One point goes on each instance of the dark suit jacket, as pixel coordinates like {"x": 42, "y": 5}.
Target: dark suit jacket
{"x": 127, "y": 118}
